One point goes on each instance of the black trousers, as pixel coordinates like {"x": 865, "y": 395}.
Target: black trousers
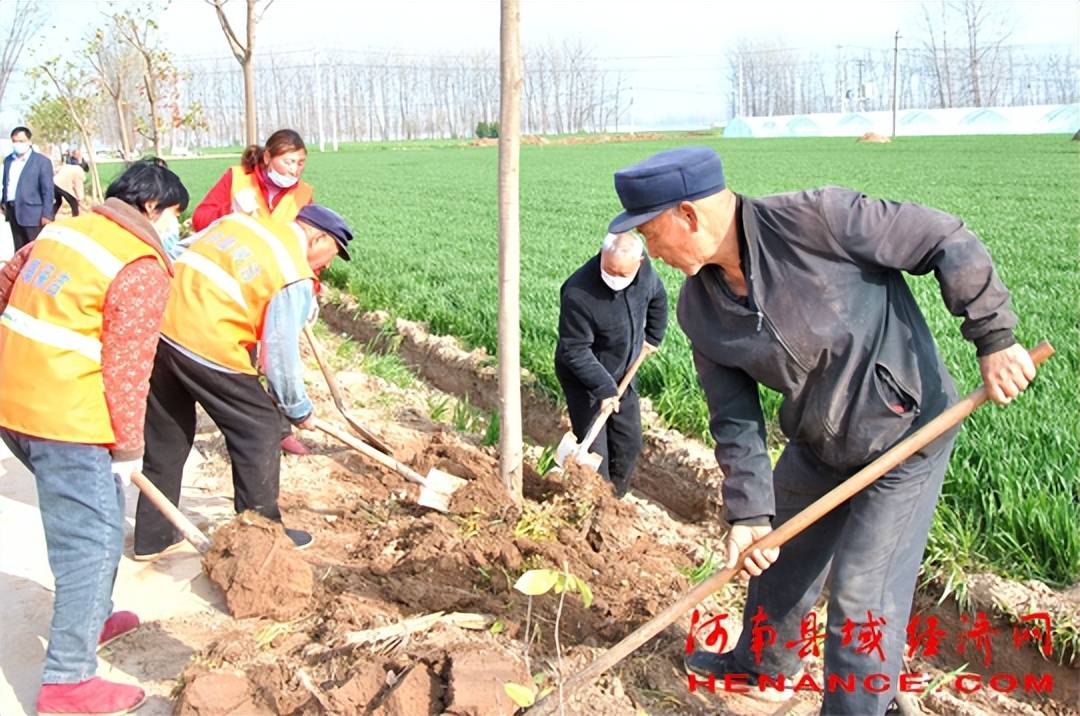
{"x": 20, "y": 235}
{"x": 619, "y": 443}
{"x": 244, "y": 413}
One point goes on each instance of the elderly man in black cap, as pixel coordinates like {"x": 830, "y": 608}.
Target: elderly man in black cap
{"x": 245, "y": 284}
{"x": 610, "y": 309}
{"x": 804, "y": 293}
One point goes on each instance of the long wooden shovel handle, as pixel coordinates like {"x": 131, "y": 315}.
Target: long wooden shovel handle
{"x": 847, "y": 489}
{"x": 190, "y": 532}
{"x": 360, "y": 446}
{"x": 335, "y": 393}
{"x": 601, "y": 418}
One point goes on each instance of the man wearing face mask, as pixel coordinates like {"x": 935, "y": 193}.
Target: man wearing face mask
{"x": 609, "y": 308}
{"x": 27, "y": 189}
{"x": 243, "y": 282}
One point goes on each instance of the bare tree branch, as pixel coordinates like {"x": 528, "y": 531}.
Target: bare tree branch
{"x": 25, "y": 23}
{"x": 238, "y": 50}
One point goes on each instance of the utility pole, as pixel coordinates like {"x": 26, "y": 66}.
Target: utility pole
{"x": 334, "y": 111}
{"x": 318, "y": 103}
{"x": 859, "y": 99}
{"x": 740, "y": 105}
{"x": 895, "y": 63}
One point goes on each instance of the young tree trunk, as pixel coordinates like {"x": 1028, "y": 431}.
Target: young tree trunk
{"x": 125, "y": 141}
{"x": 155, "y": 126}
{"x": 251, "y": 135}
{"x": 510, "y": 445}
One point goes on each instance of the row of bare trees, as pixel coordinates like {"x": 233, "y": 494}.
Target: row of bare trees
{"x": 123, "y": 87}
{"x": 960, "y": 58}
{"x": 351, "y": 96}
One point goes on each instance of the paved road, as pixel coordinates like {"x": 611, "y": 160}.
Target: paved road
{"x": 170, "y": 588}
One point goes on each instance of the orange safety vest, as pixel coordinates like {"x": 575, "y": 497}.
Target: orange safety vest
{"x": 51, "y": 384}
{"x": 224, "y": 282}
{"x": 287, "y": 207}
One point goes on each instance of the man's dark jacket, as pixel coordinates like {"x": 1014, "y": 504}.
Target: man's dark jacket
{"x": 831, "y": 324}
{"x": 34, "y": 193}
{"x": 601, "y": 331}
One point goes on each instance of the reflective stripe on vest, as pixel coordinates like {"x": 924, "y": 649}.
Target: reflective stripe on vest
{"x": 51, "y": 329}
{"x": 90, "y": 250}
{"x": 51, "y": 334}
{"x": 219, "y": 276}
{"x": 289, "y": 203}
{"x": 224, "y": 283}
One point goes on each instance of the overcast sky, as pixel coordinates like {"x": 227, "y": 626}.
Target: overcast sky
{"x": 671, "y": 50}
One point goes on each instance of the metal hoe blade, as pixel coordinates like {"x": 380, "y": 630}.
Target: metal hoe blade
{"x": 570, "y": 450}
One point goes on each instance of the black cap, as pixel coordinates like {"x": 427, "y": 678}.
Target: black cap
{"x": 329, "y": 221}
{"x": 662, "y": 181}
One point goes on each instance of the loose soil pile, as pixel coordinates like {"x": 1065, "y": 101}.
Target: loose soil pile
{"x": 874, "y": 138}
{"x": 254, "y": 564}
{"x": 381, "y": 559}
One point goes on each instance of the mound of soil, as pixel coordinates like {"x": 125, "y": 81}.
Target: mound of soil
{"x": 381, "y": 559}
{"x": 216, "y": 693}
{"x": 874, "y": 138}
{"x": 258, "y": 569}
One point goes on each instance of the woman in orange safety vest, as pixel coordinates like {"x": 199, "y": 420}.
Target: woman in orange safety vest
{"x": 80, "y": 313}
{"x": 265, "y": 184}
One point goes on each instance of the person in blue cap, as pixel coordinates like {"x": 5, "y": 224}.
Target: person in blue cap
{"x": 244, "y": 286}
{"x": 804, "y": 293}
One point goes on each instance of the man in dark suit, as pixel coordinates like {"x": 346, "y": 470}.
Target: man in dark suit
{"x": 609, "y": 308}
{"x": 27, "y": 189}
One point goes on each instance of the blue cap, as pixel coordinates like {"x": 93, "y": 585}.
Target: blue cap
{"x": 329, "y": 221}
{"x": 662, "y": 181}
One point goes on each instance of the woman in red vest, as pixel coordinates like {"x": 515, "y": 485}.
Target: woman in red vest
{"x": 266, "y": 184}
{"x": 80, "y": 312}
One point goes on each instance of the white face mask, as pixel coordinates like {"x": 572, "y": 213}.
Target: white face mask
{"x": 20, "y": 148}
{"x": 281, "y": 180}
{"x": 617, "y": 283}
{"x": 168, "y": 230}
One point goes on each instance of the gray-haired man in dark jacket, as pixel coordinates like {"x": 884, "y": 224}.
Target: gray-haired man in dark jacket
{"x": 608, "y": 310}
{"x": 805, "y": 293}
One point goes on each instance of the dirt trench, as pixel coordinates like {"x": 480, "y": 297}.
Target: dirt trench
{"x": 672, "y": 471}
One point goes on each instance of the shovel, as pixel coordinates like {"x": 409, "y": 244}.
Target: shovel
{"x": 189, "y": 531}
{"x": 335, "y": 391}
{"x": 569, "y": 448}
{"x": 811, "y": 514}
{"x": 435, "y": 489}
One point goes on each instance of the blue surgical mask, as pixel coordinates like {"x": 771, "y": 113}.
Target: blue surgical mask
{"x": 168, "y": 230}
{"x": 20, "y": 148}
{"x": 281, "y": 180}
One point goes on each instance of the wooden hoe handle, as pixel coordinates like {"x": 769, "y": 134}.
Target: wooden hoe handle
{"x": 844, "y": 491}
{"x": 366, "y": 450}
{"x": 331, "y": 381}
{"x": 599, "y": 420}
{"x": 335, "y": 392}
{"x": 190, "y": 532}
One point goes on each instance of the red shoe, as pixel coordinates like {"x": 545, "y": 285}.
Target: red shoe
{"x": 293, "y": 446}
{"x": 93, "y": 696}
{"x": 116, "y": 626}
